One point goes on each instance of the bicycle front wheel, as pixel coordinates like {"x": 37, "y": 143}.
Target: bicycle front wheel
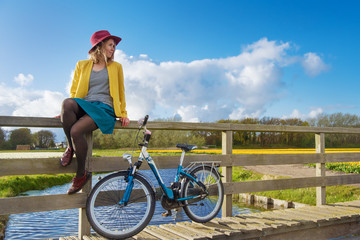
{"x": 112, "y": 220}
{"x": 207, "y": 206}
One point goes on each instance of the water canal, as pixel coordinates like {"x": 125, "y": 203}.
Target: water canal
{"x": 55, "y": 224}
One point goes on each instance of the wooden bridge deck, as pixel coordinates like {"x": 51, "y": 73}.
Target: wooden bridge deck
{"x": 323, "y": 222}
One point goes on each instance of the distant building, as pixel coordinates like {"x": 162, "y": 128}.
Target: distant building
{"x": 22, "y": 147}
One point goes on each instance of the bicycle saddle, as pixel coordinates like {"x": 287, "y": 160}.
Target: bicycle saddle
{"x": 186, "y": 147}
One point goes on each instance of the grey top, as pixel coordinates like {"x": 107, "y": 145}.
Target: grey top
{"x": 99, "y": 87}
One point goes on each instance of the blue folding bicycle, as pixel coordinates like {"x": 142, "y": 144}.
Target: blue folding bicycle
{"x": 122, "y": 204}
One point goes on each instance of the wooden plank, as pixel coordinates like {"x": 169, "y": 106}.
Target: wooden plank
{"x": 342, "y": 157}
{"x": 145, "y": 236}
{"x": 184, "y": 126}
{"x": 32, "y": 166}
{"x": 227, "y": 142}
{"x": 278, "y": 218}
{"x": 69, "y": 238}
{"x": 214, "y": 225}
{"x": 236, "y": 226}
{"x": 294, "y": 129}
{"x": 274, "y": 159}
{"x": 295, "y": 158}
{"x": 320, "y": 169}
{"x": 165, "y": 162}
{"x": 339, "y": 210}
{"x": 84, "y": 227}
{"x": 293, "y": 218}
{"x": 343, "y": 214}
{"x": 262, "y": 220}
{"x": 320, "y": 214}
{"x": 162, "y": 233}
{"x": 94, "y": 237}
{"x": 352, "y": 204}
{"x": 11, "y": 121}
{"x": 354, "y": 209}
{"x": 170, "y": 162}
{"x": 17, "y": 205}
{"x": 342, "y": 180}
{"x": 97, "y": 164}
{"x": 309, "y": 216}
{"x": 183, "y": 232}
{"x": 102, "y": 164}
{"x": 249, "y": 223}
{"x": 210, "y": 233}
{"x": 289, "y": 183}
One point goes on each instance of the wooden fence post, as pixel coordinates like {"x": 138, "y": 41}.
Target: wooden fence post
{"x": 320, "y": 169}
{"x": 227, "y": 141}
{"x": 84, "y": 225}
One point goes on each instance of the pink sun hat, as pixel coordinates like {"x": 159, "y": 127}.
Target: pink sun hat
{"x": 99, "y": 36}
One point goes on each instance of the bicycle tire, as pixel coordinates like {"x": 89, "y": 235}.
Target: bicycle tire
{"x": 207, "y": 208}
{"x": 113, "y": 221}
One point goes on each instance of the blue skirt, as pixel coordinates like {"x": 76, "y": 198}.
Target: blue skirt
{"x": 102, "y": 114}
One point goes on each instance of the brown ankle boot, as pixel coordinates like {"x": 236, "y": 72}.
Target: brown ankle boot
{"x": 79, "y": 182}
{"x": 67, "y": 157}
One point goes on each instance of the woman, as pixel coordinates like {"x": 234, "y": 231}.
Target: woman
{"x": 97, "y": 97}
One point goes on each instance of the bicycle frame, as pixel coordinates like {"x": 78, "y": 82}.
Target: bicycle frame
{"x": 168, "y": 192}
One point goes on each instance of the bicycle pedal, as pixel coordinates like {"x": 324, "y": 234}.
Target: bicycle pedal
{"x": 166, "y": 213}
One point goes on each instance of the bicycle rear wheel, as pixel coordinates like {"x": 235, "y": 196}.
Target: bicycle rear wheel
{"x": 111, "y": 220}
{"x": 208, "y": 206}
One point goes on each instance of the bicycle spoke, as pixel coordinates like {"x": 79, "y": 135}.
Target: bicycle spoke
{"x": 111, "y": 219}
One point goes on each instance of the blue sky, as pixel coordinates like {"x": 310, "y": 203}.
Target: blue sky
{"x": 202, "y": 60}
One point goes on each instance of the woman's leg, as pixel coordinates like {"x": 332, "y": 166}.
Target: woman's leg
{"x": 77, "y": 132}
{"x": 70, "y": 113}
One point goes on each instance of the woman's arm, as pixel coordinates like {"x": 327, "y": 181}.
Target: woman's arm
{"x": 123, "y": 119}
{"x": 122, "y": 93}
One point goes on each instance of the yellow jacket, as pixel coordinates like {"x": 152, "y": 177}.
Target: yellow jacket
{"x": 80, "y": 84}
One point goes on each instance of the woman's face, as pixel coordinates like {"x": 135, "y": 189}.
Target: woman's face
{"x": 109, "y": 48}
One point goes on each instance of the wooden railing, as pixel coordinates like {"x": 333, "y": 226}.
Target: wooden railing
{"x": 32, "y": 166}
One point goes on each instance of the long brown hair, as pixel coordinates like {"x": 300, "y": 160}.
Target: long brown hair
{"x": 98, "y": 54}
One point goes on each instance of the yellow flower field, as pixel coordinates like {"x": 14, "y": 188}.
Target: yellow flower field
{"x": 264, "y": 151}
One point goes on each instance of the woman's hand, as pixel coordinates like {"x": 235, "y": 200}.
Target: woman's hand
{"x": 124, "y": 121}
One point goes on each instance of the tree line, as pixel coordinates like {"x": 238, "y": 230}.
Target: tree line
{"x": 241, "y": 139}
{"x": 244, "y": 139}
{"x": 23, "y": 136}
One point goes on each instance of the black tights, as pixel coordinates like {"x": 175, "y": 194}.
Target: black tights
{"x": 76, "y": 123}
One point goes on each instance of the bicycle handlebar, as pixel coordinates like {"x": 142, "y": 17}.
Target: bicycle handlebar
{"x": 142, "y": 121}
{"x": 145, "y": 120}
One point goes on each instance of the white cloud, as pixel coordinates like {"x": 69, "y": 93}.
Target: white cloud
{"x": 297, "y": 114}
{"x": 189, "y": 113}
{"x": 23, "y": 80}
{"x": 315, "y": 112}
{"x": 241, "y": 113}
{"x": 28, "y": 102}
{"x": 250, "y": 81}
{"x": 313, "y": 64}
